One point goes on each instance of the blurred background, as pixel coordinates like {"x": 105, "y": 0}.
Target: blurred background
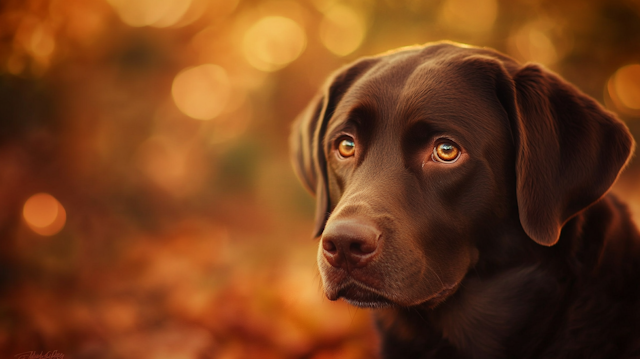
{"x": 147, "y": 205}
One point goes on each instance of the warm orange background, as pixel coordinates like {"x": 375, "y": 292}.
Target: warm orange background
{"x": 147, "y": 204}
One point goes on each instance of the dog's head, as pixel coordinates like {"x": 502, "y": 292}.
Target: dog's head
{"x": 420, "y": 157}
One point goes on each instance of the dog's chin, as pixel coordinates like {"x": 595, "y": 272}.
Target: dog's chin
{"x": 438, "y": 298}
{"x": 361, "y": 296}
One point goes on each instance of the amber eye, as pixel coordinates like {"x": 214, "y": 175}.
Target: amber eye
{"x": 347, "y": 147}
{"x": 446, "y": 152}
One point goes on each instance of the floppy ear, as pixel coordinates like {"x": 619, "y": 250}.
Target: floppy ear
{"x": 307, "y": 137}
{"x": 570, "y": 151}
{"x": 308, "y": 159}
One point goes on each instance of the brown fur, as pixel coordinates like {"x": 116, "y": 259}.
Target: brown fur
{"x": 512, "y": 251}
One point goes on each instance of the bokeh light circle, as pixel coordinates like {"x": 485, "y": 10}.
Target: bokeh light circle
{"x": 44, "y": 214}
{"x": 624, "y": 87}
{"x": 201, "y": 92}
{"x": 534, "y": 44}
{"x": 273, "y": 42}
{"x": 342, "y": 30}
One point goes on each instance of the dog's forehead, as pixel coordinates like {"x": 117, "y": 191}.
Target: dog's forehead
{"x": 447, "y": 92}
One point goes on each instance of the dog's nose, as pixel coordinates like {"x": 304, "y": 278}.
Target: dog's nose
{"x": 349, "y": 243}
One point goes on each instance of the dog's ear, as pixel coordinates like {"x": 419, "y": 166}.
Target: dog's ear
{"x": 308, "y": 159}
{"x": 570, "y": 151}
{"x": 308, "y": 132}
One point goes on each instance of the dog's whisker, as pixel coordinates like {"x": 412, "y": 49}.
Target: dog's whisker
{"x": 428, "y": 267}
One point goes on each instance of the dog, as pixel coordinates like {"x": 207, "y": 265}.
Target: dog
{"x": 463, "y": 196}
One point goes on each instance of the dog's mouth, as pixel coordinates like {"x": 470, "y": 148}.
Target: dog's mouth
{"x": 359, "y": 296}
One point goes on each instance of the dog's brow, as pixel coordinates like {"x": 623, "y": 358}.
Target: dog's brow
{"x": 354, "y": 111}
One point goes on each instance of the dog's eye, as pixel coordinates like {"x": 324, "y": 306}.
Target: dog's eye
{"x": 446, "y": 152}
{"x": 347, "y": 147}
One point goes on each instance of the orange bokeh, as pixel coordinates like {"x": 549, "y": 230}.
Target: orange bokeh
{"x": 624, "y": 89}
{"x": 273, "y": 42}
{"x": 44, "y": 214}
{"x": 201, "y": 92}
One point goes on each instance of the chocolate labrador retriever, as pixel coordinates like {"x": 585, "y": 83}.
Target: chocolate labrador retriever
{"x": 463, "y": 195}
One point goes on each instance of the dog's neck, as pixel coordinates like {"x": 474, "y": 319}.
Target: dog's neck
{"x": 478, "y": 320}
{"x": 487, "y": 313}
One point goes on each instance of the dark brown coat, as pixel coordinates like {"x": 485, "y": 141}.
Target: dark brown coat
{"x": 512, "y": 249}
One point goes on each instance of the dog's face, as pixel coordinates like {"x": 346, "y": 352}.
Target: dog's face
{"x": 421, "y": 159}
{"x": 421, "y": 164}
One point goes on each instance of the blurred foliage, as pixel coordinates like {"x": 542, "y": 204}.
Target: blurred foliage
{"x": 173, "y": 225}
